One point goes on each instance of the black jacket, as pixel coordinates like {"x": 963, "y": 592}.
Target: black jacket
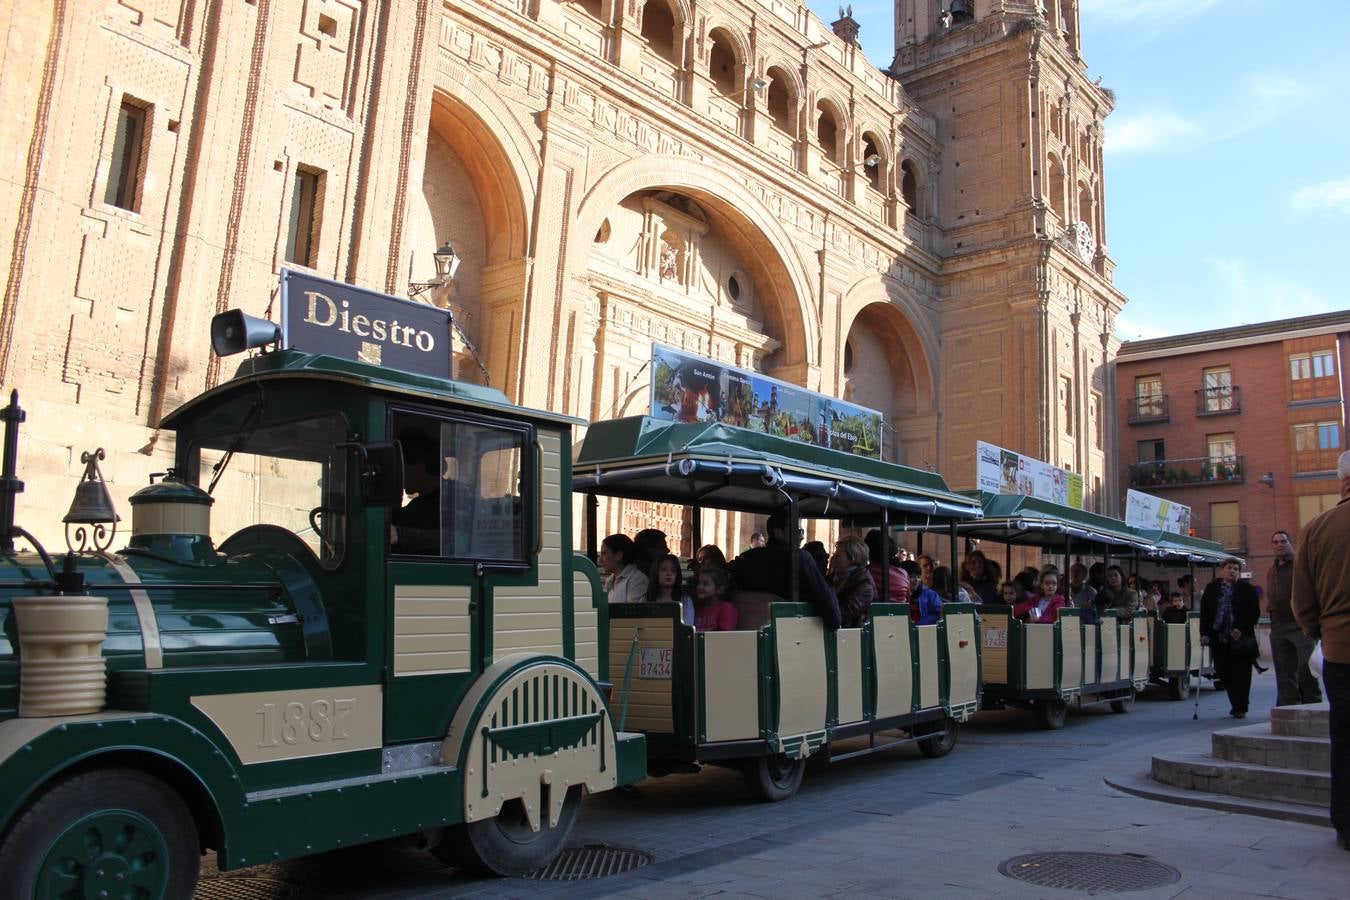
{"x": 1246, "y": 608}
{"x": 766, "y": 569}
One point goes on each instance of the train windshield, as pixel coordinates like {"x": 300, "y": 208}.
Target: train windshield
{"x": 288, "y": 475}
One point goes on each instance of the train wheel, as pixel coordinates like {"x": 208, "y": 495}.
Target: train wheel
{"x": 773, "y": 778}
{"x": 110, "y": 833}
{"x": 940, "y": 741}
{"x": 1124, "y": 704}
{"x": 1179, "y": 688}
{"x": 1051, "y": 714}
{"x": 504, "y": 844}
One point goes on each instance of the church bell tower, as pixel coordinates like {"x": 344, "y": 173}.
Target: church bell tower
{"x": 1028, "y": 305}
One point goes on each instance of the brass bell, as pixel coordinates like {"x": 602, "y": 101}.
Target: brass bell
{"x": 93, "y": 504}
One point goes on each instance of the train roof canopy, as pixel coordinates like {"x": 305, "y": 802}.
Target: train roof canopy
{"x": 283, "y": 365}
{"x": 1031, "y": 521}
{"x": 724, "y": 467}
{"x": 1168, "y": 547}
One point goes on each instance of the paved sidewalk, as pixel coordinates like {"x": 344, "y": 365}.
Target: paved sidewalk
{"x": 897, "y": 825}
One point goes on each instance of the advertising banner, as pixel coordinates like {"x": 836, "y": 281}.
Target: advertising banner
{"x": 1149, "y": 512}
{"x": 1001, "y": 471}
{"x": 322, "y": 316}
{"x": 687, "y": 388}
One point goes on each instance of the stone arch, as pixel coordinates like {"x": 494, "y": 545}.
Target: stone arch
{"x": 869, "y": 134}
{"x": 780, "y": 268}
{"x": 727, "y": 53}
{"x": 829, "y": 127}
{"x": 1084, "y": 202}
{"x": 785, "y": 92}
{"x": 910, "y": 186}
{"x": 653, "y": 26}
{"x": 1055, "y": 186}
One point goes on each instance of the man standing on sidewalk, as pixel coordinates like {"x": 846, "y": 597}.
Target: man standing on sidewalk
{"x": 1322, "y": 608}
{"x": 1290, "y": 647}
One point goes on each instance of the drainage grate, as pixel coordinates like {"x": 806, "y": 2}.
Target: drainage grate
{"x": 591, "y": 861}
{"x": 1097, "y": 873}
{"x": 226, "y": 887}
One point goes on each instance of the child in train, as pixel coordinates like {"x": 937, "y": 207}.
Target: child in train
{"x": 666, "y": 584}
{"x": 713, "y": 610}
{"x": 1042, "y": 607}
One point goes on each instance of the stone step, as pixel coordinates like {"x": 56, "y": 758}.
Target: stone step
{"x": 1308, "y": 720}
{"x": 1255, "y": 744}
{"x": 1202, "y": 772}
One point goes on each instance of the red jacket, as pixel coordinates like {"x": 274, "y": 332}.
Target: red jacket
{"x": 1026, "y": 610}
{"x": 899, "y": 582}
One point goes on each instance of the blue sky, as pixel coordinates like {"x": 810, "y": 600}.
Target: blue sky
{"x": 1228, "y": 154}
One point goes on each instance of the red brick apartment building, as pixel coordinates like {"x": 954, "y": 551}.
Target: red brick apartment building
{"x": 1243, "y": 425}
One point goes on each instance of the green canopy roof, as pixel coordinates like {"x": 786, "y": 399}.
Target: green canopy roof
{"x": 725, "y": 467}
{"x": 1030, "y": 521}
{"x": 1167, "y": 546}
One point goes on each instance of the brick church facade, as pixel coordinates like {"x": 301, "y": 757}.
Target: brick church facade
{"x": 730, "y": 177}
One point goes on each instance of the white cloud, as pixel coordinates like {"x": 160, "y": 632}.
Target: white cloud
{"x": 1331, "y": 196}
{"x": 1136, "y": 11}
{"x": 1130, "y": 327}
{"x": 1150, "y": 131}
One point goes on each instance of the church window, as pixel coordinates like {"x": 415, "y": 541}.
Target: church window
{"x": 722, "y": 62}
{"x": 1056, "y": 187}
{"x": 658, "y": 29}
{"x": 1084, "y": 203}
{"x": 733, "y": 288}
{"x": 873, "y": 165}
{"x": 126, "y": 171}
{"x": 302, "y": 232}
{"x": 781, "y": 105}
{"x": 827, "y": 132}
{"x": 909, "y": 186}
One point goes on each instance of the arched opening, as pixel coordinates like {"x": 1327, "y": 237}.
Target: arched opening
{"x": 1084, "y": 203}
{"x": 1055, "y": 188}
{"x": 827, "y": 132}
{"x": 1056, "y": 121}
{"x": 873, "y": 163}
{"x": 658, "y": 29}
{"x": 722, "y": 62}
{"x": 782, "y": 104}
{"x": 885, "y": 368}
{"x": 909, "y": 186}
{"x": 590, "y": 7}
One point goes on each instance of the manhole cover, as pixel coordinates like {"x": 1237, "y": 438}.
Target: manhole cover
{"x": 225, "y": 887}
{"x": 591, "y": 861}
{"x": 1097, "y": 873}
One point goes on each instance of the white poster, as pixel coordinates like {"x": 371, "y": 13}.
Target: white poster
{"x": 1150, "y": 512}
{"x": 1001, "y": 471}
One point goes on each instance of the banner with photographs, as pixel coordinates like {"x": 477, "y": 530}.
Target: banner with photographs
{"x": 687, "y": 388}
{"x": 1000, "y": 471}
{"x": 1150, "y": 512}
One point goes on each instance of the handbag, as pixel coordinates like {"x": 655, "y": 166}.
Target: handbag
{"x": 1246, "y": 647}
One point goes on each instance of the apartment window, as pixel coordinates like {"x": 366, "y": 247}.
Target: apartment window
{"x": 1218, "y": 389}
{"x": 302, "y": 232}
{"x": 1222, "y": 447}
{"x": 1319, "y": 364}
{"x": 1305, "y": 438}
{"x": 1313, "y": 505}
{"x": 1148, "y": 397}
{"x": 1225, "y": 525}
{"x": 1313, "y": 436}
{"x": 1328, "y": 435}
{"x": 1151, "y": 450}
{"x": 126, "y": 169}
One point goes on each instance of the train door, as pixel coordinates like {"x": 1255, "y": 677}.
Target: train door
{"x": 466, "y": 521}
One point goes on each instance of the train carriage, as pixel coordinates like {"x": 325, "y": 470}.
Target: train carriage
{"x": 783, "y": 688}
{"x": 1051, "y": 667}
{"x": 281, "y": 679}
{"x": 1177, "y": 655}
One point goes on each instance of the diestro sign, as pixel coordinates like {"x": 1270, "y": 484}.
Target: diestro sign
{"x": 323, "y": 316}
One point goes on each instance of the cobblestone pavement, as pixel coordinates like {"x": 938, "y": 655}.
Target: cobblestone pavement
{"x": 895, "y": 824}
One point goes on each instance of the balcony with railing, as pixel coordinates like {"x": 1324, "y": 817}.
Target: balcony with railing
{"x": 1223, "y": 400}
{"x": 1233, "y": 538}
{"x": 1186, "y": 472}
{"x": 1149, "y": 408}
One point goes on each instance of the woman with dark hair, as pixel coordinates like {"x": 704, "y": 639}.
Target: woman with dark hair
{"x": 979, "y": 578}
{"x": 881, "y": 551}
{"x": 624, "y": 582}
{"x": 1115, "y": 595}
{"x": 852, "y": 582}
{"x": 1228, "y": 613}
{"x": 947, "y": 588}
{"x": 664, "y": 584}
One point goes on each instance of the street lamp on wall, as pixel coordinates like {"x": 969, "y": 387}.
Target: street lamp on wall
{"x": 447, "y": 264}
{"x": 1268, "y": 480}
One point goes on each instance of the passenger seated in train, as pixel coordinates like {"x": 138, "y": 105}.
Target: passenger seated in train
{"x": 651, "y": 546}
{"x": 1081, "y": 594}
{"x": 416, "y": 527}
{"x": 977, "y": 577}
{"x": 1115, "y": 595}
{"x": 926, "y": 566}
{"x": 1027, "y": 580}
{"x": 1042, "y": 607}
{"x": 852, "y": 582}
{"x": 665, "y": 583}
{"x": 1174, "y": 613}
{"x": 820, "y": 555}
{"x": 1011, "y": 593}
{"x": 925, "y": 604}
{"x": 713, "y": 610}
{"x": 900, "y": 585}
{"x": 767, "y": 569}
{"x": 944, "y": 583}
{"x": 624, "y": 582}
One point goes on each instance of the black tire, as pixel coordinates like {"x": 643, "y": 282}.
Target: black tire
{"x": 1051, "y": 714}
{"x": 112, "y": 832}
{"x": 505, "y": 845}
{"x": 1179, "y": 688}
{"x": 773, "y": 778}
{"x": 938, "y": 739}
{"x": 1123, "y": 705}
